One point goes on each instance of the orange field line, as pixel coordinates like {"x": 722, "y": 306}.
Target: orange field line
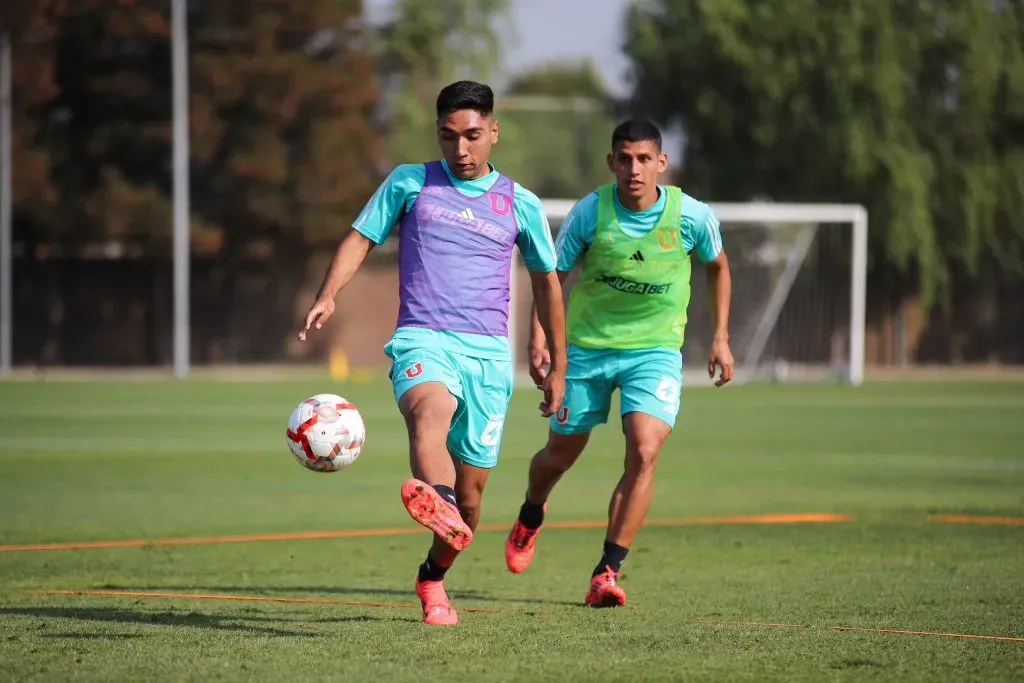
{"x": 370, "y": 533}
{"x": 977, "y": 519}
{"x": 245, "y": 598}
{"x": 897, "y": 631}
{"x": 890, "y": 631}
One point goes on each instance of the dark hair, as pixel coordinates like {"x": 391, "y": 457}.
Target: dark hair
{"x": 465, "y": 95}
{"x": 636, "y": 130}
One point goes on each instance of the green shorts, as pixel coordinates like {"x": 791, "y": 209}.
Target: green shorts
{"x": 649, "y": 381}
{"x": 482, "y": 388}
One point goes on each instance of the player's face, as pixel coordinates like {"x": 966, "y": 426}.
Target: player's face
{"x": 466, "y": 137}
{"x": 636, "y": 166}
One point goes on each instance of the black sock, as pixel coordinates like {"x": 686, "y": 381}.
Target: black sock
{"x": 612, "y": 557}
{"x": 430, "y": 570}
{"x": 448, "y": 493}
{"x": 531, "y": 515}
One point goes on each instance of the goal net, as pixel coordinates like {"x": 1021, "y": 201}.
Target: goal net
{"x": 798, "y": 294}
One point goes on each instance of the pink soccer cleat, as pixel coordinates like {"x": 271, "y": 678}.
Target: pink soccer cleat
{"x": 437, "y": 608}
{"x": 520, "y": 546}
{"x": 605, "y": 591}
{"x": 428, "y": 508}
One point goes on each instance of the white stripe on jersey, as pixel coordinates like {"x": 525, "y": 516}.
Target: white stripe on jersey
{"x": 563, "y": 232}
{"x": 714, "y": 228}
{"x": 547, "y": 233}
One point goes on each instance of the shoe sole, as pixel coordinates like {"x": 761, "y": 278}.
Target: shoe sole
{"x": 607, "y": 600}
{"x": 453, "y": 622}
{"x": 428, "y": 509}
{"x": 515, "y": 570}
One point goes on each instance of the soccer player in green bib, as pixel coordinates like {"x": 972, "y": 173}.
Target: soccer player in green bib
{"x": 634, "y": 241}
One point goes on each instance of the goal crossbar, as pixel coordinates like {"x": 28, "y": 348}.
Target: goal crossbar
{"x": 854, "y": 215}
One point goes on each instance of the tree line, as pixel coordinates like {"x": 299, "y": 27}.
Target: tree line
{"x": 914, "y": 109}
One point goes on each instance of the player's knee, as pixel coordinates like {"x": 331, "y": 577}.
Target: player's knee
{"x": 428, "y": 414}
{"x": 642, "y": 457}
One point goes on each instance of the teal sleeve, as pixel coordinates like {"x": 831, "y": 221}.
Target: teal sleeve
{"x": 577, "y": 232}
{"x": 702, "y": 233}
{"x": 534, "y": 238}
{"x": 707, "y": 237}
{"x": 389, "y": 203}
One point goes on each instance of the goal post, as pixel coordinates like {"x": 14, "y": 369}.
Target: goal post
{"x": 798, "y": 293}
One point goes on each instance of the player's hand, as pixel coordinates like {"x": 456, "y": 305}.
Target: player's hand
{"x": 540, "y": 364}
{"x": 553, "y": 386}
{"x": 721, "y": 358}
{"x": 321, "y": 312}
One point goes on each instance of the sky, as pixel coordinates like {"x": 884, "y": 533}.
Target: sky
{"x": 559, "y": 30}
{"x": 569, "y": 31}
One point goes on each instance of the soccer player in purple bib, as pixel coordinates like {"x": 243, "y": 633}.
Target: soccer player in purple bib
{"x": 459, "y": 221}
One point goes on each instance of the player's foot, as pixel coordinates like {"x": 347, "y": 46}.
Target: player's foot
{"x": 437, "y": 608}
{"x": 427, "y": 507}
{"x": 520, "y": 546}
{"x": 605, "y": 591}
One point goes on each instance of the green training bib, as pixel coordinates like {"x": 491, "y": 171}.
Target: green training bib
{"x": 633, "y": 292}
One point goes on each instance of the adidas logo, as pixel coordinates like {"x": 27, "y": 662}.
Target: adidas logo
{"x": 467, "y": 214}
{"x": 638, "y": 256}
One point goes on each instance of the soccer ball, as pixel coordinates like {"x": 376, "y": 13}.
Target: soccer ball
{"x": 326, "y": 433}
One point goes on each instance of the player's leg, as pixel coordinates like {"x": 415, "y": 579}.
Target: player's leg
{"x": 437, "y": 607}
{"x": 427, "y": 387}
{"x": 632, "y": 498}
{"x": 546, "y": 468}
{"x": 473, "y": 441}
{"x": 428, "y": 410}
{"x": 588, "y": 389}
{"x": 650, "y": 383}
{"x": 469, "y": 490}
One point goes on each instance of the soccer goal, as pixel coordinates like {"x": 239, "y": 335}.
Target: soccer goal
{"x": 798, "y": 301}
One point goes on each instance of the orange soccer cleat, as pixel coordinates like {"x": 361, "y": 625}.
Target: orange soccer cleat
{"x": 437, "y": 608}
{"x": 520, "y": 546}
{"x": 605, "y": 590}
{"x": 427, "y": 507}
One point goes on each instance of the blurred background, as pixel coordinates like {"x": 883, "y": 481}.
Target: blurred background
{"x": 297, "y": 110}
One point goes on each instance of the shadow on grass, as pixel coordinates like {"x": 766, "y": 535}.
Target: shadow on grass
{"x": 307, "y": 591}
{"x": 241, "y": 623}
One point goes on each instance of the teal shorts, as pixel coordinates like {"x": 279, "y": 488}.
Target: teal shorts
{"x": 482, "y": 388}
{"x": 649, "y": 381}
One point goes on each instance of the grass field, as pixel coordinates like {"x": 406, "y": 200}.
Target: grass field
{"x": 716, "y": 592}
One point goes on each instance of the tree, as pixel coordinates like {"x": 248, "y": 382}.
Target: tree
{"x": 279, "y": 102}
{"x": 282, "y": 152}
{"x": 914, "y": 109}
{"x": 551, "y": 118}
{"x": 30, "y": 27}
{"x": 425, "y": 46}
{"x": 556, "y": 127}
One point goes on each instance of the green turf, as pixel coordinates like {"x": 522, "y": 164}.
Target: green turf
{"x": 94, "y": 461}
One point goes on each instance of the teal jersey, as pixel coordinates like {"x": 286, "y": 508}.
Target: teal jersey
{"x": 397, "y": 194}
{"x": 699, "y": 228}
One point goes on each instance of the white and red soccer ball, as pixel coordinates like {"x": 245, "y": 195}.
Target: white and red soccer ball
{"x": 326, "y": 433}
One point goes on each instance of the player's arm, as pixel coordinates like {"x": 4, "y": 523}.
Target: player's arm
{"x": 350, "y": 255}
{"x": 538, "y": 251}
{"x": 537, "y": 348}
{"x": 708, "y": 246}
{"x": 573, "y": 238}
{"x": 550, "y": 313}
{"x": 371, "y": 228}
